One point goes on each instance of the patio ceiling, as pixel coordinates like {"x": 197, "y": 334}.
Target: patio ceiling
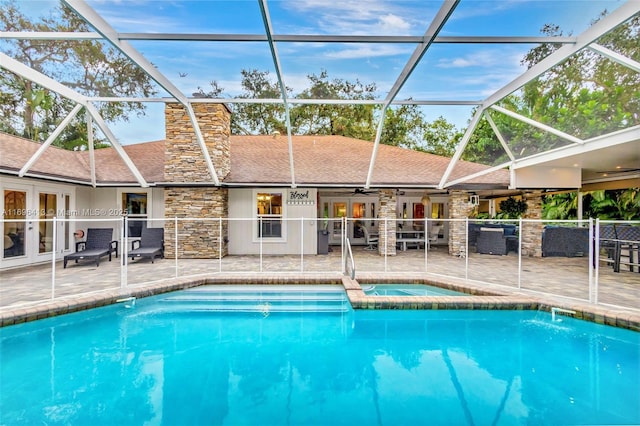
{"x": 270, "y": 38}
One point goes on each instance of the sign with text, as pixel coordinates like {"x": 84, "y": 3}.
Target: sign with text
{"x": 300, "y": 197}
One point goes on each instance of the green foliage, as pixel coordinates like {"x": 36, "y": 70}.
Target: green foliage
{"x": 586, "y": 95}
{"x": 613, "y": 204}
{"x": 560, "y": 206}
{"x": 511, "y": 208}
{"x": 404, "y": 126}
{"x": 258, "y": 118}
{"x": 605, "y": 205}
{"x": 87, "y": 66}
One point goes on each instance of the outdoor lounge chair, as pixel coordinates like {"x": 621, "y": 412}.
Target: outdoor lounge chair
{"x": 150, "y": 245}
{"x": 99, "y": 243}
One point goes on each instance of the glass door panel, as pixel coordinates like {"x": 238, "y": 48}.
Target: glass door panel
{"x": 66, "y": 225}
{"x": 358, "y": 212}
{"x": 15, "y": 207}
{"x": 338, "y": 211}
{"x": 47, "y": 209}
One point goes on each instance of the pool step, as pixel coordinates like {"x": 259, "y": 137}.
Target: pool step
{"x": 265, "y": 299}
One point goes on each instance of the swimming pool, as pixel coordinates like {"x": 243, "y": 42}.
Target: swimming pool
{"x": 161, "y": 362}
{"x": 408, "y": 290}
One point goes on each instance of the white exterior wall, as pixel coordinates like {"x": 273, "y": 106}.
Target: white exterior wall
{"x": 106, "y": 203}
{"x": 299, "y": 228}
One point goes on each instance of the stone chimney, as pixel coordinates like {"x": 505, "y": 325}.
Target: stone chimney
{"x": 184, "y": 160}
{"x": 185, "y": 165}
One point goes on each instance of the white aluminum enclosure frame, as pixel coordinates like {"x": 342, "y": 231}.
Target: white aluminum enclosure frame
{"x": 104, "y": 31}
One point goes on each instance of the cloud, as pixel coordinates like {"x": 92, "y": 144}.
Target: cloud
{"x": 394, "y": 23}
{"x": 368, "y": 51}
{"x": 498, "y": 57}
{"x": 357, "y": 17}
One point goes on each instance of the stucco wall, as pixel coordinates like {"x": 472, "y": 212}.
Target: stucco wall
{"x": 300, "y": 219}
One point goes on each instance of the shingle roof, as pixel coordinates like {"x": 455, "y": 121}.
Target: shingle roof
{"x": 260, "y": 160}
{"x": 74, "y": 165}
{"x": 338, "y": 160}
{"x": 54, "y": 162}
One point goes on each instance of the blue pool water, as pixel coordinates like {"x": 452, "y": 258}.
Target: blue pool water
{"x": 186, "y": 358}
{"x": 408, "y": 290}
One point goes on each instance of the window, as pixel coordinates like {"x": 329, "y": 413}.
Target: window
{"x": 134, "y": 205}
{"x": 48, "y": 207}
{"x": 15, "y": 207}
{"x": 269, "y": 214}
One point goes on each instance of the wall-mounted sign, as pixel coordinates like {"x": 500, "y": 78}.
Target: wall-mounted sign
{"x": 300, "y": 197}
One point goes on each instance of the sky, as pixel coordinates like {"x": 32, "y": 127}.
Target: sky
{"x": 446, "y": 71}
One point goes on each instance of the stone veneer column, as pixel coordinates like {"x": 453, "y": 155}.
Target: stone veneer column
{"x": 185, "y": 164}
{"x": 197, "y": 239}
{"x": 532, "y": 231}
{"x": 387, "y": 210}
{"x": 459, "y": 208}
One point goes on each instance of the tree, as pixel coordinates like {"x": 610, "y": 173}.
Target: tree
{"x": 441, "y": 137}
{"x": 86, "y": 66}
{"x": 258, "y": 118}
{"x": 404, "y": 126}
{"x": 585, "y": 96}
{"x": 353, "y": 120}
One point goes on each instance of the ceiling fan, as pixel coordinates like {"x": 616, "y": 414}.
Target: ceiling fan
{"x": 360, "y": 191}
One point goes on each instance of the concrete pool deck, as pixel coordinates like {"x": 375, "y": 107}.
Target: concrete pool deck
{"x": 25, "y": 293}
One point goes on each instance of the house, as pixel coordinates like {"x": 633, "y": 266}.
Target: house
{"x": 171, "y": 178}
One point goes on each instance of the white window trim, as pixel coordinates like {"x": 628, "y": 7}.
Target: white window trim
{"x": 254, "y": 206}
{"x": 149, "y": 213}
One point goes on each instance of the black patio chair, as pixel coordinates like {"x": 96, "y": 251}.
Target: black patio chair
{"x": 99, "y": 243}
{"x": 609, "y": 245}
{"x": 629, "y": 247}
{"x": 150, "y": 245}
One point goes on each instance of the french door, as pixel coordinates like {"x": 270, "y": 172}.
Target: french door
{"x": 360, "y": 212}
{"x": 28, "y": 227}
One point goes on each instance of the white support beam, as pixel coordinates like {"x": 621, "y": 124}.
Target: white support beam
{"x": 95, "y": 114}
{"x": 52, "y": 137}
{"x": 606, "y": 24}
{"x": 537, "y": 124}
{"x": 615, "y": 56}
{"x": 461, "y": 146}
{"x": 102, "y": 27}
{"x": 90, "y": 143}
{"x": 478, "y": 174}
{"x": 300, "y": 101}
{"x": 266, "y": 19}
{"x": 498, "y": 134}
{"x": 374, "y": 151}
{"x": 601, "y": 142}
{"x": 42, "y": 80}
{"x": 286, "y": 38}
{"x": 436, "y": 25}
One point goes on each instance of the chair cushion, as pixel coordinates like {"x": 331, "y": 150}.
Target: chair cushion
{"x": 500, "y": 230}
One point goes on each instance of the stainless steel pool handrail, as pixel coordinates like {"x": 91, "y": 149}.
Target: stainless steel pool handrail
{"x": 350, "y": 262}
